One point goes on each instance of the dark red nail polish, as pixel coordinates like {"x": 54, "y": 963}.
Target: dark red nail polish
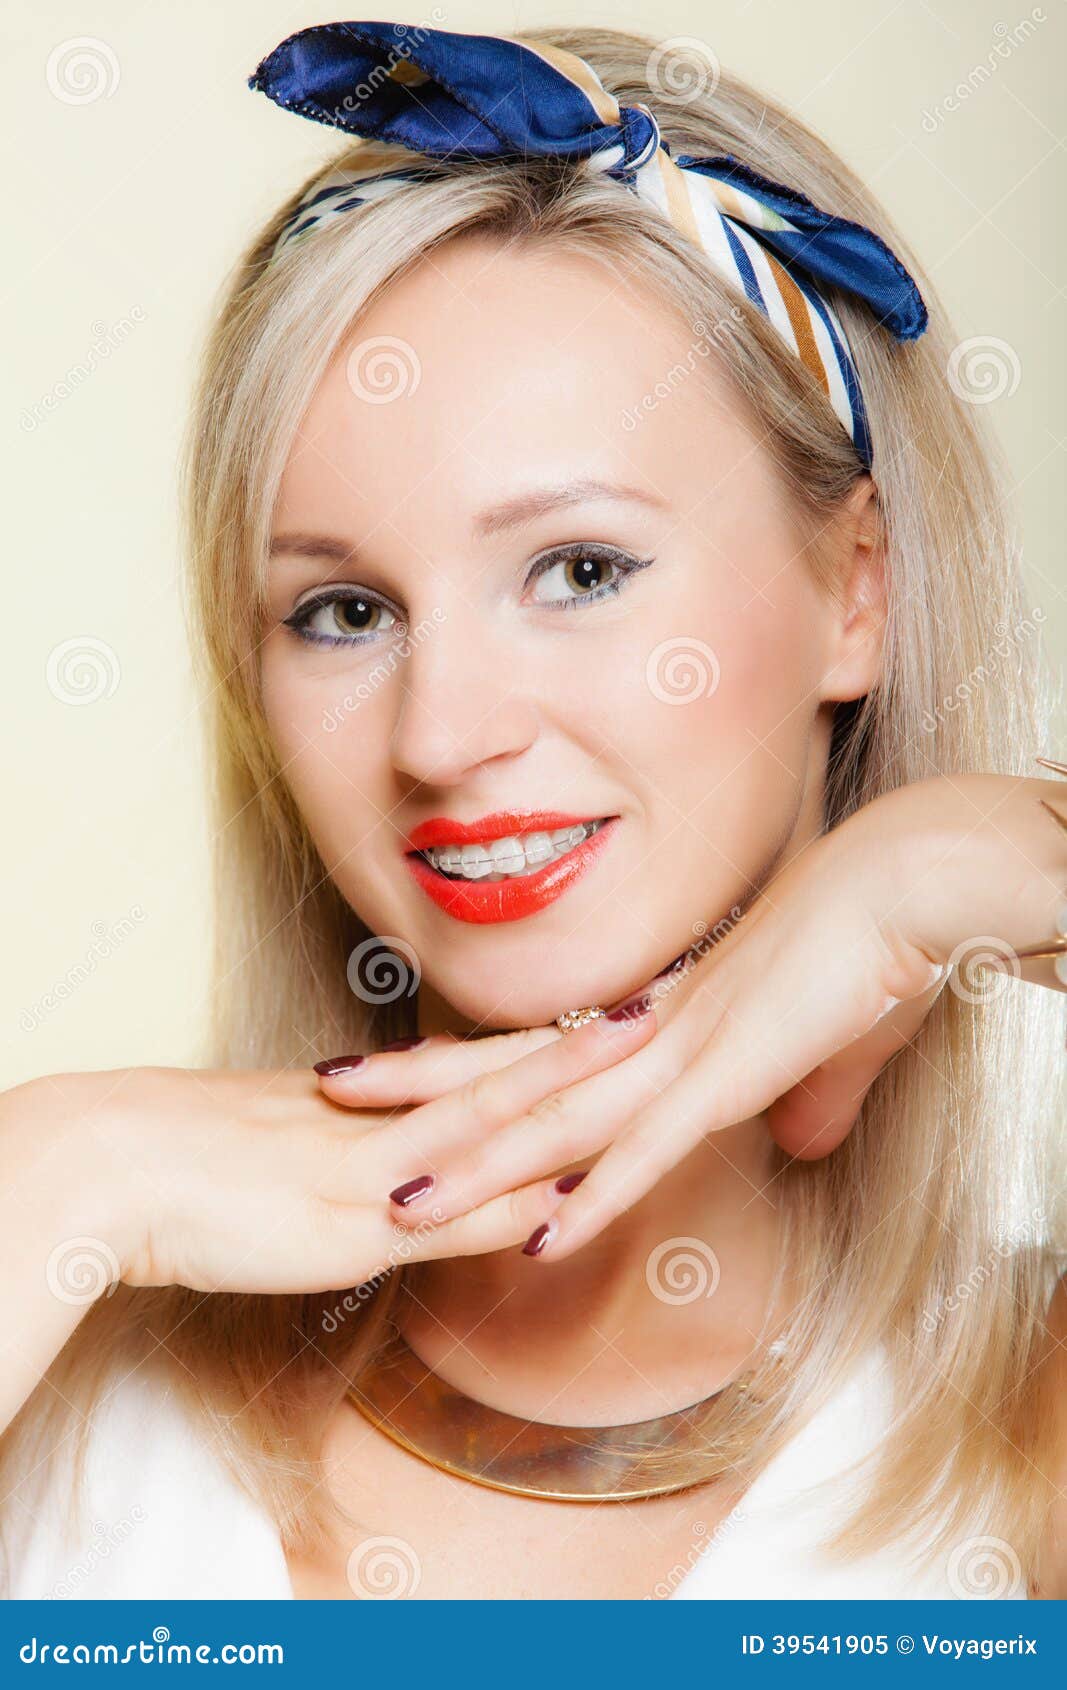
{"x": 567, "y": 1182}
{"x": 680, "y": 958}
{"x": 403, "y": 1044}
{"x": 539, "y": 1237}
{"x": 339, "y": 1064}
{"x": 405, "y": 1194}
{"x": 631, "y": 1008}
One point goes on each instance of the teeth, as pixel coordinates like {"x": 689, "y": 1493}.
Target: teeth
{"x": 502, "y": 859}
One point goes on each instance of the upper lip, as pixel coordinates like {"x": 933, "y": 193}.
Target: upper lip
{"x": 444, "y": 830}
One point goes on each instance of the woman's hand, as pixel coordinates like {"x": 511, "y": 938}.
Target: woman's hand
{"x": 235, "y": 1181}
{"x": 255, "y": 1181}
{"x": 792, "y": 1013}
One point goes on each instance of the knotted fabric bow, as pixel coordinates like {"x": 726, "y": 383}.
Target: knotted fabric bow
{"x": 452, "y": 96}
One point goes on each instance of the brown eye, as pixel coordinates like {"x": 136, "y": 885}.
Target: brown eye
{"x": 356, "y": 616}
{"x": 584, "y": 573}
{"x": 579, "y": 575}
{"x": 342, "y": 617}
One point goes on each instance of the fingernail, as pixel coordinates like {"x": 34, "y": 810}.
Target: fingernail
{"x": 680, "y": 958}
{"x": 631, "y": 1008}
{"x": 567, "y": 1182}
{"x": 539, "y": 1237}
{"x": 405, "y": 1194}
{"x": 339, "y": 1064}
{"x": 404, "y": 1044}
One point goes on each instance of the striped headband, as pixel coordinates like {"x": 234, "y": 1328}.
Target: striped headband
{"x": 456, "y": 96}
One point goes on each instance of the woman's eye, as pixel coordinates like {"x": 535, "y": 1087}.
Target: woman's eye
{"x": 341, "y": 618}
{"x": 582, "y": 574}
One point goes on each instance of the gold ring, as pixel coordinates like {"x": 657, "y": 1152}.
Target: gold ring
{"x": 571, "y": 1018}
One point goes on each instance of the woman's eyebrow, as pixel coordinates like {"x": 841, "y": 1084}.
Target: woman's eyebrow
{"x": 513, "y": 513}
{"x": 539, "y": 500}
{"x": 312, "y": 545}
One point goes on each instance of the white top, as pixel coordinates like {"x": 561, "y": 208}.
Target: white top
{"x": 166, "y": 1518}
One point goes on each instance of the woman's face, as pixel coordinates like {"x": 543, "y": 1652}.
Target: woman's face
{"x": 608, "y": 621}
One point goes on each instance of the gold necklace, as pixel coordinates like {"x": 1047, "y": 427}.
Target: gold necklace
{"x": 433, "y": 1420}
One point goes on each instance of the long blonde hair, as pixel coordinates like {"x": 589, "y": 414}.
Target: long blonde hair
{"x": 914, "y": 1205}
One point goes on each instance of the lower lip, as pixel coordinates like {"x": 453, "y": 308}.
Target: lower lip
{"x": 511, "y": 900}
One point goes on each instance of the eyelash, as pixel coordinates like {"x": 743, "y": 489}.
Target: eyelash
{"x": 625, "y": 564}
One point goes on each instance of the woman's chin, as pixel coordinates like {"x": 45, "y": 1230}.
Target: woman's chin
{"x": 510, "y": 1008}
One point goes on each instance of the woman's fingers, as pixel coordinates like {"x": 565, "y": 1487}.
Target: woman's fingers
{"x": 419, "y": 1073}
{"x": 500, "y": 1224}
{"x": 415, "y": 1146}
{"x": 786, "y": 1006}
{"x": 560, "y": 1129}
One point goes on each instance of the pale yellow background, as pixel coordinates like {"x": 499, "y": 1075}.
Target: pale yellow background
{"x": 121, "y": 217}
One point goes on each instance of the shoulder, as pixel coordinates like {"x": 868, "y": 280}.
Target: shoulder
{"x": 158, "y": 1513}
{"x": 1052, "y": 1561}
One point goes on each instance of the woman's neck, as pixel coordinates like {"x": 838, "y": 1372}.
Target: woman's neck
{"x": 665, "y": 1305}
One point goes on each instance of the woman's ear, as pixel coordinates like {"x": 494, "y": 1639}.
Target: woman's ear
{"x": 854, "y": 658}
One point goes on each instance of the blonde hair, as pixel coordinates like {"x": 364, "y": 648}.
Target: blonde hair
{"x": 971, "y": 1097}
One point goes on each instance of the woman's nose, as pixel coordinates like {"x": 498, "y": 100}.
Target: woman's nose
{"x": 463, "y": 702}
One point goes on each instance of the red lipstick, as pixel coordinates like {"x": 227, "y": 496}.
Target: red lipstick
{"x": 502, "y": 900}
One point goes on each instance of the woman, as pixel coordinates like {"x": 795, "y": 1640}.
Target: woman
{"x": 678, "y": 892}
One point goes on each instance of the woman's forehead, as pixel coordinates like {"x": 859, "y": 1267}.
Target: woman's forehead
{"x": 493, "y": 371}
